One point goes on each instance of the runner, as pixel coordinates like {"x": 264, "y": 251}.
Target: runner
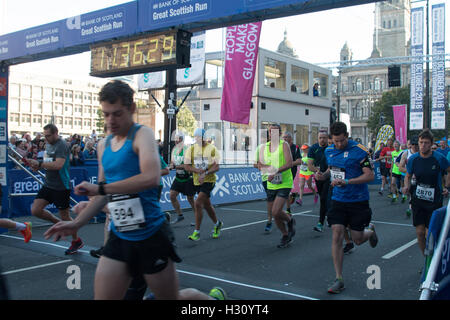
{"x": 387, "y": 157}
{"x": 317, "y": 163}
{"x": 56, "y": 188}
{"x": 202, "y": 159}
{"x": 276, "y": 162}
{"x": 296, "y": 160}
{"x": 258, "y": 164}
{"x": 183, "y": 180}
{"x": 427, "y": 166}
{"x": 413, "y": 148}
{"x": 396, "y": 173}
{"x": 305, "y": 176}
{"x": 350, "y": 170}
{"x": 141, "y": 240}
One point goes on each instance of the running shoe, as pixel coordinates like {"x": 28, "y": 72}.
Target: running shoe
{"x": 316, "y": 198}
{"x": 349, "y": 248}
{"x": 319, "y": 227}
{"x": 394, "y": 200}
{"x": 408, "y": 213}
{"x": 268, "y": 227}
{"x": 178, "y": 219}
{"x": 218, "y": 293}
{"x": 167, "y": 216}
{"x": 404, "y": 199}
{"x": 291, "y": 228}
{"x": 285, "y": 241}
{"x": 380, "y": 193}
{"x": 195, "y": 236}
{"x": 216, "y": 230}
{"x": 96, "y": 253}
{"x": 27, "y": 232}
{"x": 75, "y": 246}
{"x": 299, "y": 202}
{"x": 373, "y": 240}
{"x": 337, "y": 286}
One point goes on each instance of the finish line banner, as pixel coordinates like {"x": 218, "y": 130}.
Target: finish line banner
{"x": 438, "y": 65}
{"x": 416, "y": 111}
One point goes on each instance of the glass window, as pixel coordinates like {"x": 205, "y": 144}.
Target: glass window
{"x": 37, "y": 106}
{"x": 26, "y": 119}
{"x": 59, "y": 121}
{"x": 359, "y": 85}
{"x": 37, "y": 92}
{"x": 68, "y": 109}
{"x": 14, "y": 117}
{"x": 37, "y": 120}
{"x": 13, "y": 104}
{"x": 26, "y": 91}
{"x": 25, "y": 106}
{"x": 214, "y": 133}
{"x": 285, "y": 127}
{"x": 314, "y": 133}
{"x": 48, "y": 93}
{"x": 78, "y": 96}
{"x": 47, "y": 107}
{"x": 320, "y": 88}
{"x": 275, "y": 74}
{"x": 214, "y": 73}
{"x": 241, "y": 137}
{"x": 68, "y": 95}
{"x": 14, "y": 90}
{"x": 58, "y": 94}
{"x": 300, "y": 80}
{"x": 302, "y": 134}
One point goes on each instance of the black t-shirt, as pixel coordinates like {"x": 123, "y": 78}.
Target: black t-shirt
{"x": 295, "y": 151}
{"x": 317, "y": 153}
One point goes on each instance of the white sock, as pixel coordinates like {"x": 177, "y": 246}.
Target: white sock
{"x": 20, "y": 226}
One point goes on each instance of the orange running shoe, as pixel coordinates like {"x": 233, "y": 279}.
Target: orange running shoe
{"x": 27, "y": 232}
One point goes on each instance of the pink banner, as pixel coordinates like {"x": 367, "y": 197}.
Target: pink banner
{"x": 400, "y": 123}
{"x": 240, "y": 67}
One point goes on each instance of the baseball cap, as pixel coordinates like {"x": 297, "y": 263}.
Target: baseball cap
{"x": 199, "y": 132}
{"x": 305, "y": 146}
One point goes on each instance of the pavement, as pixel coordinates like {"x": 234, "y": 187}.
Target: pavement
{"x": 245, "y": 261}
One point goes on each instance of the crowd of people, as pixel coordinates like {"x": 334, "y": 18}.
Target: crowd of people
{"x": 139, "y": 249}
{"x": 81, "y": 147}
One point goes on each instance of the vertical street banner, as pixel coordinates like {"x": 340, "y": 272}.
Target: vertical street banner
{"x": 438, "y": 65}
{"x": 4, "y": 80}
{"x": 241, "y": 54}
{"x": 416, "y": 110}
{"x": 400, "y": 122}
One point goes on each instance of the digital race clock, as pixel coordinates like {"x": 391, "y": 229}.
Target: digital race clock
{"x": 146, "y": 53}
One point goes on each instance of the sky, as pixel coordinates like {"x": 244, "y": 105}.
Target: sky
{"x": 317, "y": 37}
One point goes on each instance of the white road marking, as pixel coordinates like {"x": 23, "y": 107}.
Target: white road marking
{"x": 256, "y": 222}
{"x": 248, "y": 285}
{"x": 399, "y": 250}
{"x": 36, "y": 267}
{"x": 41, "y": 242}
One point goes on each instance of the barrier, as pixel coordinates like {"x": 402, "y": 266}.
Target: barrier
{"x": 436, "y": 278}
{"x": 232, "y": 185}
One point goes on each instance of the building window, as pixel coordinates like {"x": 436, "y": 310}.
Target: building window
{"x": 300, "y": 80}
{"x": 359, "y": 85}
{"x": 322, "y": 84}
{"x": 25, "y": 106}
{"x": 240, "y": 137}
{"x": 13, "y": 104}
{"x": 214, "y": 133}
{"x": 58, "y": 94}
{"x": 14, "y": 117}
{"x": 26, "y": 91}
{"x": 302, "y": 134}
{"x": 214, "y": 73}
{"x": 48, "y": 94}
{"x": 275, "y": 74}
{"x": 14, "y": 90}
{"x": 37, "y": 92}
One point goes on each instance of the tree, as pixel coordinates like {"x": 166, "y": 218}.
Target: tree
{"x": 186, "y": 121}
{"x": 382, "y": 112}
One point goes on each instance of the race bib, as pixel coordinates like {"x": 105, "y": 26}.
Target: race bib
{"x": 46, "y": 158}
{"x": 126, "y": 212}
{"x": 201, "y": 163}
{"x": 277, "y": 179}
{"x": 337, "y": 173}
{"x": 303, "y": 167}
{"x": 425, "y": 192}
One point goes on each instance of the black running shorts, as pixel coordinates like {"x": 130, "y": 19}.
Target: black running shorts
{"x": 146, "y": 256}
{"x": 184, "y": 187}
{"x": 205, "y": 187}
{"x": 357, "y": 215}
{"x": 422, "y": 211}
{"x": 60, "y": 198}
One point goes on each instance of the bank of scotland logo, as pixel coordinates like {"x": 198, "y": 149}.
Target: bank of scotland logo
{"x": 221, "y": 187}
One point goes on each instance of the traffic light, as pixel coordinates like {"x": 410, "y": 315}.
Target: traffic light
{"x": 394, "y": 76}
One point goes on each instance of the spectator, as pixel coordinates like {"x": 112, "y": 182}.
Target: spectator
{"x": 444, "y": 149}
{"x": 37, "y": 138}
{"x": 76, "y": 156}
{"x": 316, "y": 90}
{"x": 89, "y": 151}
{"x": 32, "y": 152}
{"x": 21, "y": 148}
{"x": 12, "y": 142}
{"x": 41, "y": 149}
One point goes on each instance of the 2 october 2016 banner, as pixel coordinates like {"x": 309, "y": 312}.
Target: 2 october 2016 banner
{"x": 438, "y": 66}
{"x": 416, "y": 110}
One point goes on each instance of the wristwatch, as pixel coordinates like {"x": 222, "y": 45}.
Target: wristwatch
{"x": 101, "y": 188}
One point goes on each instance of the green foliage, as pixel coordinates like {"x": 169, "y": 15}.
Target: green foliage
{"x": 186, "y": 121}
